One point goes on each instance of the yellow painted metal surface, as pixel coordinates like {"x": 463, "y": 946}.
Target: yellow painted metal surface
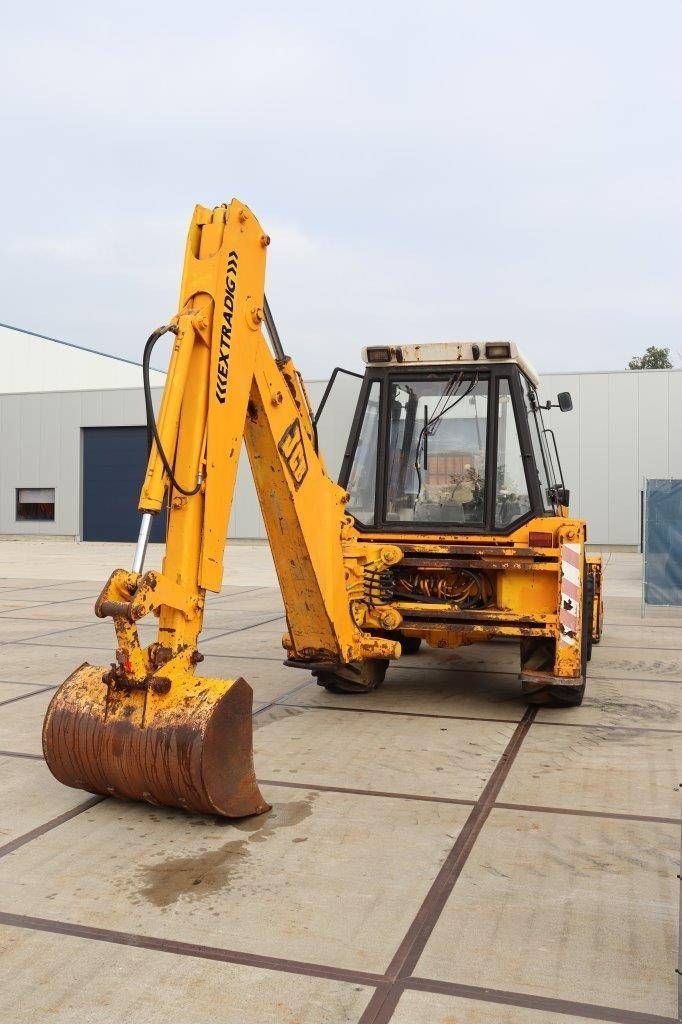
{"x": 115, "y": 729}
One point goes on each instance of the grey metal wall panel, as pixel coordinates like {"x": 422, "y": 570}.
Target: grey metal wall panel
{"x": 624, "y": 426}
{"x": 674, "y": 425}
{"x": 594, "y": 451}
{"x": 652, "y": 448}
{"x": 623, "y": 475}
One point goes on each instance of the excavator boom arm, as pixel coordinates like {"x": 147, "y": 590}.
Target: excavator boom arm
{"x": 148, "y": 727}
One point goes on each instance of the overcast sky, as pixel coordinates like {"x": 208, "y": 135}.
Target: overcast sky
{"x": 426, "y": 171}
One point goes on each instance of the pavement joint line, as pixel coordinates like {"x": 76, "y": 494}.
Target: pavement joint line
{"x": 55, "y": 632}
{"x": 36, "y": 586}
{"x": 381, "y": 1005}
{"x": 492, "y": 671}
{"x": 580, "y": 812}
{"x": 192, "y": 949}
{"x": 549, "y": 1004}
{"x": 480, "y": 718}
{"x": 20, "y": 682}
{"x": 239, "y": 593}
{"x": 403, "y": 714}
{"x": 88, "y": 625}
{"x": 18, "y": 753}
{"x": 280, "y": 702}
{"x": 46, "y": 604}
{"x": 330, "y": 972}
{"x": 47, "y": 826}
{"x": 277, "y": 701}
{"x": 425, "y": 798}
{"x": 644, "y": 622}
{"x": 635, "y": 647}
{"x": 351, "y": 791}
{"x": 243, "y": 629}
{"x": 25, "y": 696}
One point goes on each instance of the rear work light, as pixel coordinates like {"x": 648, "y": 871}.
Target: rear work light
{"x": 378, "y": 355}
{"x": 498, "y": 350}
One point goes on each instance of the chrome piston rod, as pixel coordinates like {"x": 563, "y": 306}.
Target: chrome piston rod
{"x": 142, "y": 541}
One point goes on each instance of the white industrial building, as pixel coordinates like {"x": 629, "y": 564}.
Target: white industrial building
{"x": 33, "y": 363}
{"x": 74, "y": 443}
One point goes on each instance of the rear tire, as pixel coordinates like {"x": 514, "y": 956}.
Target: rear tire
{"x": 554, "y": 694}
{"x": 588, "y": 612}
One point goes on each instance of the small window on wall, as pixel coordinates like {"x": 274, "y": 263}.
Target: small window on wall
{"x": 35, "y": 503}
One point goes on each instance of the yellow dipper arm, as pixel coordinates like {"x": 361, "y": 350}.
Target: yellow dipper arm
{"x": 224, "y": 385}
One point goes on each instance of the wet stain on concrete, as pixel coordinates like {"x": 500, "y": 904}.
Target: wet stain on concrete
{"x": 193, "y": 877}
{"x": 207, "y": 872}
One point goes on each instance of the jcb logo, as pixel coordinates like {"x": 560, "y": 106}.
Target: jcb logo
{"x": 293, "y": 453}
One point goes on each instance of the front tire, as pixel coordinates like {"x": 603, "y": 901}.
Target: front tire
{"x": 356, "y": 677}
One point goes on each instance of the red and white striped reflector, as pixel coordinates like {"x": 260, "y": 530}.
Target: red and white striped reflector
{"x": 569, "y": 615}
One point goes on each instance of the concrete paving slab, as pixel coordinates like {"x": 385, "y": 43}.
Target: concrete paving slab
{"x": 49, "y": 592}
{"x": 10, "y": 604}
{"x": 30, "y": 797}
{"x": 268, "y": 679}
{"x": 264, "y": 640}
{"x": 403, "y": 754}
{"x": 248, "y": 600}
{"x": 74, "y": 610}
{"x": 29, "y": 628}
{"x": 410, "y": 688}
{"x": 497, "y": 656}
{"x": 643, "y": 637}
{"x": 21, "y": 724}
{"x": 611, "y": 770}
{"x": 9, "y": 691}
{"x": 623, "y": 663}
{"x": 93, "y": 635}
{"x": 247, "y": 563}
{"x": 431, "y": 1008}
{"x": 324, "y": 877}
{"x": 622, "y": 702}
{"x": 626, "y": 611}
{"x": 20, "y": 582}
{"x": 62, "y": 979}
{"x": 45, "y": 664}
{"x": 231, "y": 616}
{"x": 566, "y": 907}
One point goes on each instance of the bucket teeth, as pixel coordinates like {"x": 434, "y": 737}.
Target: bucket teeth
{"x": 189, "y": 746}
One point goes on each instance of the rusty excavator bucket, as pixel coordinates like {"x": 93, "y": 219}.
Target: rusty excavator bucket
{"x": 188, "y": 747}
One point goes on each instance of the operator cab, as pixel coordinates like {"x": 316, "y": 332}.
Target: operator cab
{"x": 450, "y": 438}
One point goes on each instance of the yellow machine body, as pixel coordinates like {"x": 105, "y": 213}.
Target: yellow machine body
{"x": 148, "y": 726}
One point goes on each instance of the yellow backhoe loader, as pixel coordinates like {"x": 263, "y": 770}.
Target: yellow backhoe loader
{"x": 449, "y": 525}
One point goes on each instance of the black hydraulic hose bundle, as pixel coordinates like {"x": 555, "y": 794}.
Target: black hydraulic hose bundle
{"x": 152, "y": 430}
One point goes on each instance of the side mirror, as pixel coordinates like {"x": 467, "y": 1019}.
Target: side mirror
{"x": 565, "y": 401}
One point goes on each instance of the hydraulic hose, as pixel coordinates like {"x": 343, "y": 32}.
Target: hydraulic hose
{"x": 152, "y": 430}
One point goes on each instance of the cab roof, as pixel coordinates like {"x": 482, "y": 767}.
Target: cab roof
{"x": 445, "y": 353}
